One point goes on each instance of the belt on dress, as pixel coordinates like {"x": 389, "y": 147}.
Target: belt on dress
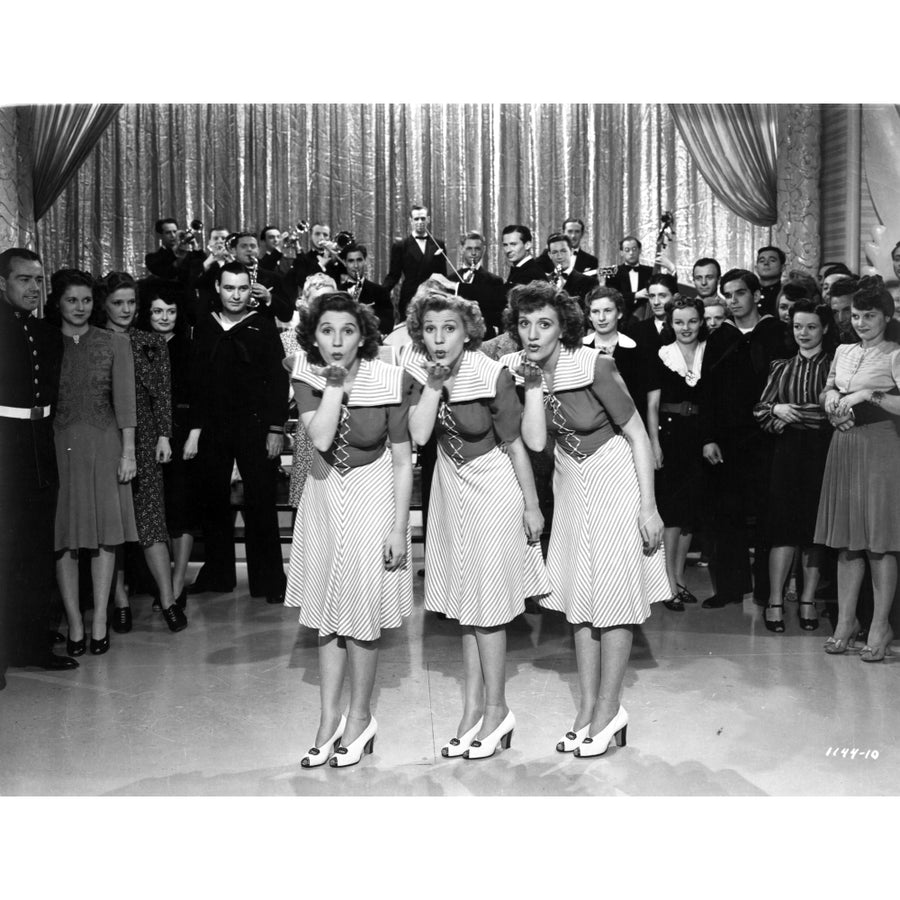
{"x": 685, "y": 408}
{"x": 25, "y": 412}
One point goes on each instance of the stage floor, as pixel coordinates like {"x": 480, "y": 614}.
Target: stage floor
{"x": 718, "y": 707}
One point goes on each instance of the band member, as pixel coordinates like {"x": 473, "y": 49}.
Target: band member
{"x": 631, "y": 279}
{"x": 585, "y": 262}
{"x": 30, "y": 354}
{"x": 523, "y": 267}
{"x": 372, "y": 295}
{"x": 322, "y": 257}
{"x": 176, "y": 252}
{"x": 270, "y": 243}
{"x": 414, "y": 258}
{"x": 705, "y": 275}
{"x": 239, "y": 401}
{"x": 563, "y": 273}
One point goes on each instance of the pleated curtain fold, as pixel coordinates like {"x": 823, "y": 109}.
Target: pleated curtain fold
{"x": 63, "y": 137}
{"x": 735, "y": 146}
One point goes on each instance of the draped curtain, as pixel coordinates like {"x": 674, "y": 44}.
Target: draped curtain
{"x": 62, "y": 138}
{"x": 735, "y": 146}
{"x": 360, "y": 166}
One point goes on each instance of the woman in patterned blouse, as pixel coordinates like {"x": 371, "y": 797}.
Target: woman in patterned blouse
{"x": 789, "y": 408}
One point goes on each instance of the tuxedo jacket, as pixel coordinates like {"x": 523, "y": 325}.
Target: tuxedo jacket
{"x": 583, "y": 261}
{"x": 409, "y": 267}
{"x": 530, "y": 271}
{"x": 307, "y": 264}
{"x": 489, "y": 292}
{"x": 378, "y": 298}
{"x": 578, "y": 285}
{"x": 208, "y": 298}
{"x": 270, "y": 260}
{"x": 621, "y": 281}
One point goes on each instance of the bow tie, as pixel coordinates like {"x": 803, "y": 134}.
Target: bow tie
{"x": 633, "y": 268}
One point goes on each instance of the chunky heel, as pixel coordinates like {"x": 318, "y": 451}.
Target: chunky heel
{"x": 506, "y": 741}
{"x": 620, "y": 736}
{"x": 599, "y": 743}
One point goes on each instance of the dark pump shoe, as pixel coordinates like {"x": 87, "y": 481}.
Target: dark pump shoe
{"x": 53, "y": 663}
{"x": 175, "y": 618}
{"x": 55, "y": 638}
{"x": 121, "y": 619}
{"x": 98, "y": 648}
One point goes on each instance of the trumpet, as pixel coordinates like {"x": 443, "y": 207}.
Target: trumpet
{"x": 558, "y": 278}
{"x": 602, "y": 271}
{"x": 194, "y": 233}
{"x": 291, "y": 238}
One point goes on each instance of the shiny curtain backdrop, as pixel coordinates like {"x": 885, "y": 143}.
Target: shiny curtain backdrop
{"x": 360, "y": 166}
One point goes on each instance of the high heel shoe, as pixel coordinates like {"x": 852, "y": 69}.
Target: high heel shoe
{"x": 835, "y": 646}
{"x": 572, "y": 739}
{"x": 877, "y": 652}
{"x": 501, "y": 735}
{"x": 458, "y": 745}
{"x": 684, "y": 595}
{"x": 778, "y": 626}
{"x": 318, "y": 756}
{"x": 75, "y": 648}
{"x": 352, "y": 753}
{"x": 676, "y": 604}
{"x": 121, "y": 619}
{"x": 599, "y": 743}
{"x": 175, "y": 618}
{"x": 808, "y": 624}
{"x": 99, "y": 647}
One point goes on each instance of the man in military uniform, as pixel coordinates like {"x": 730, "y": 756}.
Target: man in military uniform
{"x": 30, "y": 355}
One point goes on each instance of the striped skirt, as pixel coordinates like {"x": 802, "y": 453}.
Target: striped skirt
{"x": 479, "y": 566}
{"x": 337, "y": 575}
{"x": 596, "y": 562}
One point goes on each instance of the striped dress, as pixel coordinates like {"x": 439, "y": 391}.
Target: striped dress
{"x": 598, "y": 570}
{"x": 479, "y": 566}
{"x": 337, "y": 575}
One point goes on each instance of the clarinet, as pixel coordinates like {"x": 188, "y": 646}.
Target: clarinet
{"x": 557, "y": 278}
{"x": 356, "y": 288}
{"x": 253, "y": 303}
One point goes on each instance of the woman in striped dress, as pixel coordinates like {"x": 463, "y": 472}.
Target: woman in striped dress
{"x": 482, "y": 556}
{"x": 604, "y": 561}
{"x": 349, "y": 571}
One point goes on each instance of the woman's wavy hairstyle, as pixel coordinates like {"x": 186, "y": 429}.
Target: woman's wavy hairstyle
{"x": 823, "y": 311}
{"x": 150, "y": 289}
{"x": 337, "y": 301}
{"x": 109, "y": 284}
{"x": 433, "y": 297}
{"x": 872, "y": 294}
{"x": 526, "y": 298}
{"x": 667, "y": 335}
{"x": 59, "y": 282}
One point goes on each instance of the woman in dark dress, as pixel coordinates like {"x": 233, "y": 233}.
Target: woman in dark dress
{"x": 114, "y": 309}
{"x": 160, "y": 312}
{"x": 674, "y": 427}
{"x": 789, "y": 408}
{"x": 605, "y": 309}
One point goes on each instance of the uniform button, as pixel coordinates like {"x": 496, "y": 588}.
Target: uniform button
{"x": 35, "y": 381}
{"x": 36, "y": 367}
{"x": 30, "y": 338}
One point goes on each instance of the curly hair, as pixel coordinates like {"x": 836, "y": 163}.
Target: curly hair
{"x": 112, "y": 282}
{"x": 872, "y": 294}
{"x": 823, "y": 311}
{"x": 526, "y": 298}
{"x": 337, "y": 301}
{"x": 433, "y": 297}
{"x": 60, "y": 281}
{"x": 150, "y": 289}
{"x": 602, "y": 292}
{"x": 667, "y": 335}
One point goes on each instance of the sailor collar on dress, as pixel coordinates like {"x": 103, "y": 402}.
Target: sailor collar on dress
{"x": 376, "y": 383}
{"x": 227, "y": 324}
{"x": 574, "y": 368}
{"x": 674, "y": 360}
{"x": 476, "y": 378}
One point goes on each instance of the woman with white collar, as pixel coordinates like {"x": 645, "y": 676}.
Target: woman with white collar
{"x": 349, "y": 570}
{"x": 603, "y": 563}
{"x": 482, "y": 554}
{"x": 605, "y": 309}
{"x": 673, "y": 424}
